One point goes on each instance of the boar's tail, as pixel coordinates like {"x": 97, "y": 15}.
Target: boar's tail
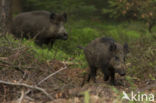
{"x": 80, "y": 47}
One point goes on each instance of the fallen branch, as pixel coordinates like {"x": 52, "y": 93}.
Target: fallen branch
{"x": 21, "y": 97}
{"x": 27, "y": 86}
{"x": 28, "y": 98}
{"x": 47, "y": 78}
{"x": 69, "y": 63}
{"x": 51, "y": 75}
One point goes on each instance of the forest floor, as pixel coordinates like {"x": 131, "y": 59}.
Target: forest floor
{"x": 25, "y": 79}
{"x": 64, "y": 87}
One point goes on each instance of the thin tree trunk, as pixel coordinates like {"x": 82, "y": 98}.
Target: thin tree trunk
{"x": 5, "y": 16}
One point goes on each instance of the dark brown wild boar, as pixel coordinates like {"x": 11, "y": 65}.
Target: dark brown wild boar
{"x": 43, "y": 26}
{"x": 108, "y": 55}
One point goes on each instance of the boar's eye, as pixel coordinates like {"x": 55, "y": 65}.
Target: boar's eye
{"x": 112, "y": 47}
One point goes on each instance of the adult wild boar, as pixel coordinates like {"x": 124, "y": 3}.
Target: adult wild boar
{"x": 108, "y": 55}
{"x": 43, "y": 26}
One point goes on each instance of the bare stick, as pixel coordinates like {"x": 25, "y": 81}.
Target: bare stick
{"x": 29, "y": 98}
{"x": 27, "y": 86}
{"x": 47, "y": 78}
{"x": 51, "y": 75}
{"x": 21, "y": 98}
{"x": 69, "y": 63}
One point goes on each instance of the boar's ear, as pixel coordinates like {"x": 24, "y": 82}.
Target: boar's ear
{"x": 64, "y": 17}
{"x": 126, "y": 48}
{"x": 52, "y": 15}
{"x": 112, "y": 47}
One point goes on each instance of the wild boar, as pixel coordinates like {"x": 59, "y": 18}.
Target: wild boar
{"x": 42, "y": 26}
{"x": 108, "y": 55}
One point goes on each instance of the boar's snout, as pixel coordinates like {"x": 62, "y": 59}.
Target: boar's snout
{"x": 122, "y": 73}
{"x": 121, "y": 70}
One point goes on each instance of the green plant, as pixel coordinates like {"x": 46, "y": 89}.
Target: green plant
{"x": 86, "y": 97}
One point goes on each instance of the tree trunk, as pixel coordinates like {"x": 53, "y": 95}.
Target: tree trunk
{"x": 5, "y": 16}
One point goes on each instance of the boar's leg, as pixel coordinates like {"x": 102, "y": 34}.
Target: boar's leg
{"x": 106, "y": 77}
{"x": 47, "y": 41}
{"x": 106, "y": 72}
{"x": 113, "y": 78}
{"x": 88, "y": 79}
{"x": 92, "y": 74}
{"x": 112, "y": 74}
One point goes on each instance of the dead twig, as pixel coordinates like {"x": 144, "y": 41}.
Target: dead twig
{"x": 47, "y": 78}
{"x": 69, "y": 63}
{"x": 21, "y": 97}
{"x": 51, "y": 75}
{"x": 27, "y": 86}
{"x": 29, "y": 98}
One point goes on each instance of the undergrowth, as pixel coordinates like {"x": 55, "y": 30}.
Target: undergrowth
{"x": 141, "y": 43}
